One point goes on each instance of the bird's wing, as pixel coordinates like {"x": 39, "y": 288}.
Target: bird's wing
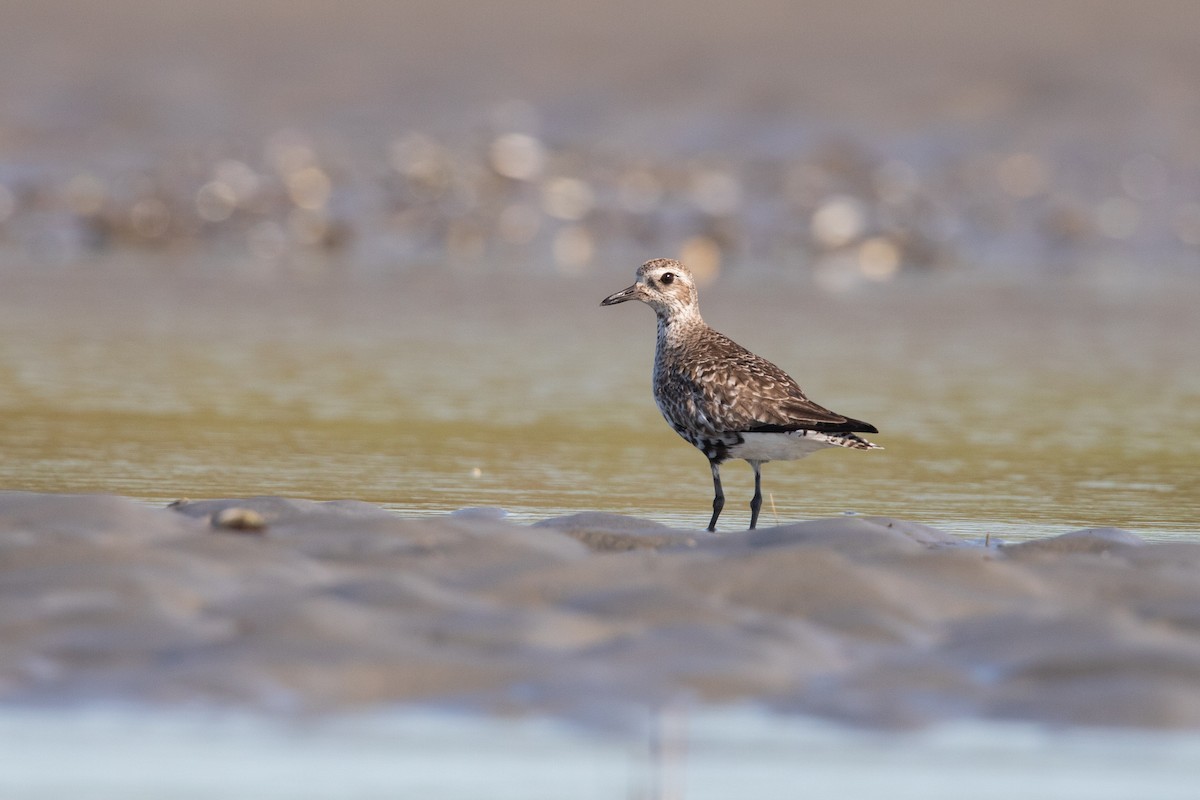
{"x": 748, "y": 393}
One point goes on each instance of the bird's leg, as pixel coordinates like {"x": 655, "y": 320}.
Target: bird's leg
{"x": 756, "y": 501}
{"x": 719, "y": 495}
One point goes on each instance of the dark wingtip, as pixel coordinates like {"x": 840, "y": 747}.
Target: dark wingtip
{"x": 847, "y": 425}
{"x": 858, "y": 426}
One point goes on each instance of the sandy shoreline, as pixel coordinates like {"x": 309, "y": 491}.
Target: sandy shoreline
{"x": 343, "y": 606}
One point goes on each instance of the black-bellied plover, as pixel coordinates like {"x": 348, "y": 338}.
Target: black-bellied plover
{"x": 722, "y": 398}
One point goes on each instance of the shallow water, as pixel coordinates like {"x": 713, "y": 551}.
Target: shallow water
{"x": 1004, "y": 411}
{"x": 208, "y": 353}
{"x": 718, "y": 753}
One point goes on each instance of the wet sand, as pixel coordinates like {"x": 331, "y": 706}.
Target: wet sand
{"x": 343, "y": 606}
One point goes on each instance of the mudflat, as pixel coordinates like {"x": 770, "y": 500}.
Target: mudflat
{"x": 288, "y": 605}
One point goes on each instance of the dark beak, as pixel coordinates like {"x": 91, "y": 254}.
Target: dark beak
{"x": 629, "y": 293}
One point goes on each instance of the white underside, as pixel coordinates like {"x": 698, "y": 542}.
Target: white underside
{"x": 780, "y": 446}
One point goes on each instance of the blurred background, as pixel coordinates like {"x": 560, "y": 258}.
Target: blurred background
{"x": 355, "y": 249}
{"x": 819, "y": 137}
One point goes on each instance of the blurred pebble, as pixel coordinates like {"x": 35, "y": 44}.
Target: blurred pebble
{"x": 568, "y": 208}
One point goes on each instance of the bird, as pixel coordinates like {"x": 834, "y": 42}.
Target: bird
{"x": 723, "y": 399}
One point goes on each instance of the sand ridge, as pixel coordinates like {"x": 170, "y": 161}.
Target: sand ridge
{"x": 343, "y": 605}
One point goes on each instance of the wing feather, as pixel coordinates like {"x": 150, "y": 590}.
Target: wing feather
{"x": 739, "y": 391}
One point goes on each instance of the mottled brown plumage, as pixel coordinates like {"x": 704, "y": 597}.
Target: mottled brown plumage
{"x": 725, "y": 400}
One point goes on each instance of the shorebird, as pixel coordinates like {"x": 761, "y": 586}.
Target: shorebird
{"x": 720, "y": 397}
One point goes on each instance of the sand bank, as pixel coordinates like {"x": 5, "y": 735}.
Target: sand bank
{"x": 343, "y": 606}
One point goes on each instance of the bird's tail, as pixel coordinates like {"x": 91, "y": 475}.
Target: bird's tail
{"x": 850, "y": 440}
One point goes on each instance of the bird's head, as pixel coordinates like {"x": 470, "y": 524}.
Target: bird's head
{"x": 665, "y": 285}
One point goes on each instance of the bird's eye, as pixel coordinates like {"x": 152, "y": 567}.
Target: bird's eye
{"x": 667, "y": 277}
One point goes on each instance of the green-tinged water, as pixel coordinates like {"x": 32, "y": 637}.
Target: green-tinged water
{"x": 1003, "y": 410}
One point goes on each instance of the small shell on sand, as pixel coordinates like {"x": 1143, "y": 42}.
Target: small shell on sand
{"x": 245, "y": 520}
